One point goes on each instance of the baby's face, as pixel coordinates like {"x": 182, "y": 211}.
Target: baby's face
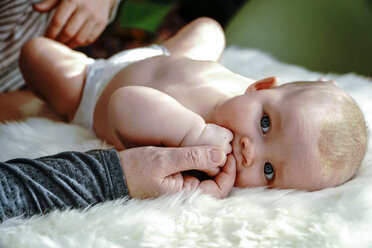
{"x": 276, "y": 132}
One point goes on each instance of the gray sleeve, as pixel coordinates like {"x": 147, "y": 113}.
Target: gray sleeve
{"x": 65, "y": 180}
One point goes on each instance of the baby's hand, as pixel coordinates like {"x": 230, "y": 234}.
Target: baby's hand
{"x": 213, "y": 135}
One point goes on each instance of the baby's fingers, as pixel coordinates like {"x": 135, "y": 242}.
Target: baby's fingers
{"x": 213, "y": 171}
{"x": 222, "y": 184}
{"x": 228, "y": 138}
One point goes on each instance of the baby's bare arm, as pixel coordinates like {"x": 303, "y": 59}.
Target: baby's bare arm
{"x": 146, "y": 116}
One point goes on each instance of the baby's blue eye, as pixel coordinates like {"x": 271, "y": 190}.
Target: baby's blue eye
{"x": 265, "y": 124}
{"x": 269, "y": 171}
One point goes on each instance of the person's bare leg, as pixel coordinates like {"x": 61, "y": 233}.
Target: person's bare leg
{"x": 55, "y": 73}
{"x": 202, "y": 39}
{"x": 18, "y": 105}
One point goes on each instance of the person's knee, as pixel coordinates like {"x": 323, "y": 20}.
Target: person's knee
{"x": 31, "y": 50}
{"x": 210, "y": 28}
{"x": 30, "y": 56}
{"x": 26, "y": 54}
{"x": 202, "y": 39}
{"x": 206, "y": 22}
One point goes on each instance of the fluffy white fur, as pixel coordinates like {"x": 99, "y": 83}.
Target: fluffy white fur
{"x": 335, "y": 217}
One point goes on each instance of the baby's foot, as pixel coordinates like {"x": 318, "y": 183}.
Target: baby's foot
{"x": 213, "y": 135}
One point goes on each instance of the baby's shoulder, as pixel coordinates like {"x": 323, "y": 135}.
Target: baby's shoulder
{"x": 172, "y": 69}
{"x": 175, "y": 73}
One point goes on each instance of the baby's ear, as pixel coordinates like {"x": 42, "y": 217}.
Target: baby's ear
{"x": 263, "y": 84}
{"x": 329, "y": 81}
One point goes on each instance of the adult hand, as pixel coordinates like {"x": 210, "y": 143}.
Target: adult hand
{"x": 76, "y": 22}
{"x": 154, "y": 171}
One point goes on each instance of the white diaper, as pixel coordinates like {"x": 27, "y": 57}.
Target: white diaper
{"x": 101, "y": 71}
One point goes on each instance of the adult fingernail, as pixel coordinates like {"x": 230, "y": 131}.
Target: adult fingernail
{"x": 215, "y": 155}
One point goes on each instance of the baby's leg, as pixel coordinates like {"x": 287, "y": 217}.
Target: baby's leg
{"x": 17, "y": 105}
{"x": 55, "y": 73}
{"x": 202, "y": 39}
{"x": 145, "y": 116}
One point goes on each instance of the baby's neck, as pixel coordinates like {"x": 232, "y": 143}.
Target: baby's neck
{"x": 208, "y": 114}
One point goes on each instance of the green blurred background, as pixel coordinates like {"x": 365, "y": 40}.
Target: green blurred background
{"x": 321, "y": 35}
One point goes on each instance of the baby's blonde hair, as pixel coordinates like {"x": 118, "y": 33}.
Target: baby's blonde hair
{"x": 343, "y": 138}
{"x": 342, "y": 141}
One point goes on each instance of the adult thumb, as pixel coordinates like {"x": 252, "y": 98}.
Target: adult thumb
{"x": 222, "y": 184}
{"x": 45, "y": 5}
{"x": 202, "y": 158}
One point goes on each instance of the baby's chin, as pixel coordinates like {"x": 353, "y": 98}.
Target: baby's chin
{"x": 239, "y": 185}
{"x": 239, "y": 181}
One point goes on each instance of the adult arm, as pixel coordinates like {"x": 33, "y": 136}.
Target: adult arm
{"x": 68, "y": 179}
{"x": 78, "y": 180}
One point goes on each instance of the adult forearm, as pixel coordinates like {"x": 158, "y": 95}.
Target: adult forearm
{"x": 68, "y": 179}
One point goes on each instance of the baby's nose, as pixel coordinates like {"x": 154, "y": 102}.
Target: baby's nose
{"x": 247, "y": 151}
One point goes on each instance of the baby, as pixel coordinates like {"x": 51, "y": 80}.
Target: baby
{"x": 301, "y": 135}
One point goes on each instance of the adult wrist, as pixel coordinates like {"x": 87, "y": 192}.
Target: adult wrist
{"x": 111, "y": 162}
{"x": 124, "y": 158}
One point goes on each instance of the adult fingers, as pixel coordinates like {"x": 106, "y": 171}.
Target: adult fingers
{"x": 190, "y": 184}
{"x": 81, "y": 38}
{"x": 88, "y": 33}
{"x": 73, "y": 27}
{"x": 222, "y": 184}
{"x": 97, "y": 30}
{"x": 213, "y": 171}
{"x": 61, "y": 16}
{"x": 45, "y": 5}
{"x": 201, "y": 158}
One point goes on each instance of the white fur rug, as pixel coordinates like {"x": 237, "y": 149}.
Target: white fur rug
{"x": 335, "y": 217}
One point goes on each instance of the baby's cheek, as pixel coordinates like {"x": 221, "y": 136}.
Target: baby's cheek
{"x": 236, "y": 125}
{"x": 223, "y": 119}
{"x": 248, "y": 178}
{"x": 240, "y": 180}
